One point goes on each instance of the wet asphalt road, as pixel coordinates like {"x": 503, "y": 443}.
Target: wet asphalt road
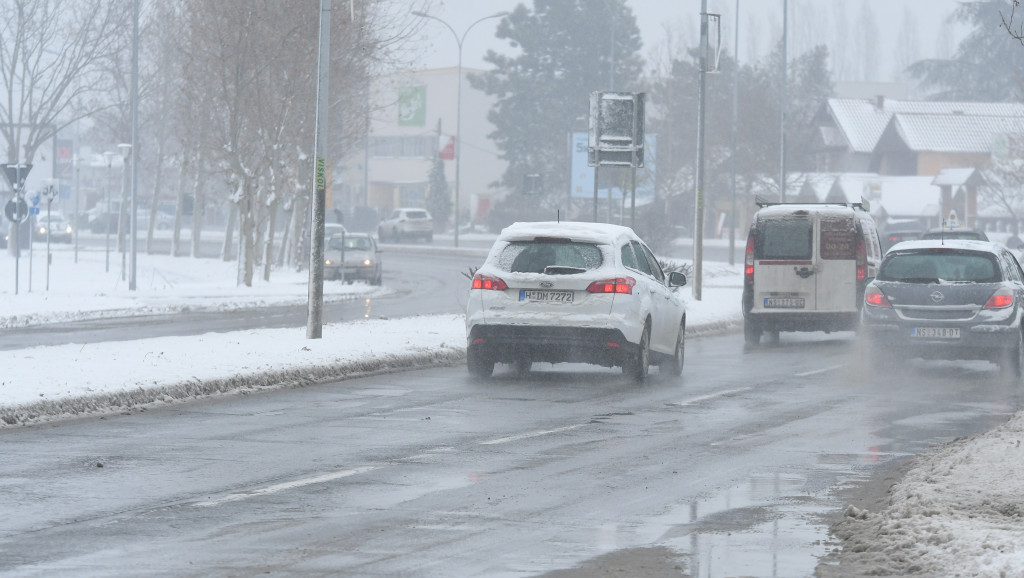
{"x": 737, "y": 468}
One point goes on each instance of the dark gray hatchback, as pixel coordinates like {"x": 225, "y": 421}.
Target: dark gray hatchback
{"x": 946, "y": 300}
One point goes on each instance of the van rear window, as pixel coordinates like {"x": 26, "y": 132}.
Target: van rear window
{"x": 785, "y": 238}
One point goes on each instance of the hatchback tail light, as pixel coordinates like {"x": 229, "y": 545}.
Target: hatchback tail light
{"x": 488, "y": 282}
{"x": 874, "y": 297}
{"x": 1001, "y": 299}
{"x": 617, "y": 285}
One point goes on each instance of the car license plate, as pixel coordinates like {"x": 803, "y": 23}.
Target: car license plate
{"x": 784, "y": 302}
{"x": 936, "y": 332}
{"x": 557, "y": 296}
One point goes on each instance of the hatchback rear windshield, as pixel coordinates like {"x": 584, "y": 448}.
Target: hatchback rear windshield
{"x": 535, "y": 256}
{"x": 940, "y": 265}
{"x": 785, "y": 238}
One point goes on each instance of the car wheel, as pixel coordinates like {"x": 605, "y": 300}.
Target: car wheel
{"x": 478, "y": 364}
{"x": 674, "y": 366}
{"x": 1013, "y": 359}
{"x": 637, "y": 365}
{"x": 376, "y": 280}
{"x": 751, "y": 333}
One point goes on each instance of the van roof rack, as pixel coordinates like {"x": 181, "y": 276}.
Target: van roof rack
{"x": 863, "y": 205}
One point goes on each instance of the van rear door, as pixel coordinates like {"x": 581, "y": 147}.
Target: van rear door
{"x": 784, "y": 263}
{"x": 836, "y": 273}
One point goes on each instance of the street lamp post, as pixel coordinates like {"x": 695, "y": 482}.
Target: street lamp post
{"x": 126, "y": 152}
{"x": 106, "y": 210}
{"x": 458, "y": 103}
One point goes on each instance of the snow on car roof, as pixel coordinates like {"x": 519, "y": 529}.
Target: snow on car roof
{"x": 789, "y": 208}
{"x": 966, "y": 244}
{"x": 576, "y": 231}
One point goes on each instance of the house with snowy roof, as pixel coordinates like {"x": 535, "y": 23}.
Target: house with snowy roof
{"x": 947, "y": 141}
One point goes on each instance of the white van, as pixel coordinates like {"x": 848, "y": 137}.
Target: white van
{"x": 806, "y": 267}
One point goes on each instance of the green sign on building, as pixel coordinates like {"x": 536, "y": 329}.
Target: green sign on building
{"x": 412, "y": 106}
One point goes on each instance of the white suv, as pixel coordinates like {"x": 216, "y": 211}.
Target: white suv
{"x": 406, "y": 224}
{"x": 574, "y": 292}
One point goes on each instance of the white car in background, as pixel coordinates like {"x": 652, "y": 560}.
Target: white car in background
{"x": 574, "y": 292}
{"x": 406, "y": 224}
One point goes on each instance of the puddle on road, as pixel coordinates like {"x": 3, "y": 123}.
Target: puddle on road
{"x": 774, "y": 524}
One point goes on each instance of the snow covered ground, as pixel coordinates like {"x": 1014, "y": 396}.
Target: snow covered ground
{"x": 957, "y": 512}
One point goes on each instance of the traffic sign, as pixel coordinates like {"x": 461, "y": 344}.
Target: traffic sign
{"x": 33, "y": 210}
{"x": 16, "y": 175}
{"x": 16, "y": 210}
{"x": 35, "y": 199}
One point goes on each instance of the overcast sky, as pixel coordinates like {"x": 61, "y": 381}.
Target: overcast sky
{"x": 906, "y": 30}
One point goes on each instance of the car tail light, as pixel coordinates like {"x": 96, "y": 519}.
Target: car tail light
{"x": 617, "y": 285}
{"x": 748, "y": 264}
{"x": 874, "y": 297}
{"x": 862, "y": 260}
{"x": 488, "y": 283}
{"x": 1000, "y": 299}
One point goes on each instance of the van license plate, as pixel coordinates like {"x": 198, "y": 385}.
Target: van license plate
{"x": 935, "y": 332}
{"x": 557, "y": 296}
{"x": 784, "y": 302}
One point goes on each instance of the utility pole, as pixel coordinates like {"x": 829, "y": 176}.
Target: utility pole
{"x": 735, "y": 123}
{"x": 782, "y": 106}
{"x": 314, "y": 321}
{"x": 698, "y": 225}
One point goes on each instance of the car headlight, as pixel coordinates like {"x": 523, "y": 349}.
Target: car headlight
{"x": 367, "y": 262}
{"x": 328, "y": 262}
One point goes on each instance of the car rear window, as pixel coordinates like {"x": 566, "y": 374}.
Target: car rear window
{"x": 940, "y": 264}
{"x": 535, "y": 256}
{"x": 417, "y": 214}
{"x": 787, "y": 237}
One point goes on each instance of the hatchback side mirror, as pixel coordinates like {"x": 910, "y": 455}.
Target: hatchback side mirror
{"x": 676, "y": 279}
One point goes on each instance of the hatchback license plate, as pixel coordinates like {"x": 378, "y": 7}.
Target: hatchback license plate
{"x": 557, "y": 296}
{"x": 936, "y": 332}
{"x": 784, "y": 302}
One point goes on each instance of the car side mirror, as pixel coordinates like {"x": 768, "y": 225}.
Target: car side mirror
{"x": 676, "y": 279}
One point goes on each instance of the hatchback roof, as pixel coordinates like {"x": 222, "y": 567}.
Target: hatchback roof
{"x": 577, "y": 231}
{"x": 966, "y": 244}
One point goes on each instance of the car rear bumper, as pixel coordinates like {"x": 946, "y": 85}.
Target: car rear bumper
{"x": 804, "y": 321}
{"x": 507, "y": 343}
{"x": 975, "y": 341}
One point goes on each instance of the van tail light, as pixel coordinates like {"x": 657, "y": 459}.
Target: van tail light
{"x": 748, "y": 262}
{"x": 617, "y": 285}
{"x": 862, "y": 260}
{"x": 874, "y": 297}
{"x": 488, "y": 282}
{"x": 1001, "y": 299}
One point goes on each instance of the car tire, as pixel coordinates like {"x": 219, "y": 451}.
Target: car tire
{"x": 478, "y": 364}
{"x": 638, "y": 364}
{"x": 674, "y": 365}
{"x": 1012, "y": 363}
{"x": 751, "y": 333}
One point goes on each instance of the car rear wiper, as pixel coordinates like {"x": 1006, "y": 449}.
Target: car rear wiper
{"x": 918, "y": 280}
{"x": 562, "y": 270}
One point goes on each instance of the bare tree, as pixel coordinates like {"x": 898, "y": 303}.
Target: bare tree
{"x": 1016, "y": 31}
{"x": 49, "y": 67}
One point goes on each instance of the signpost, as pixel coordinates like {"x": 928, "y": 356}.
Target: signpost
{"x": 51, "y": 194}
{"x": 16, "y": 210}
{"x": 616, "y": 136}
